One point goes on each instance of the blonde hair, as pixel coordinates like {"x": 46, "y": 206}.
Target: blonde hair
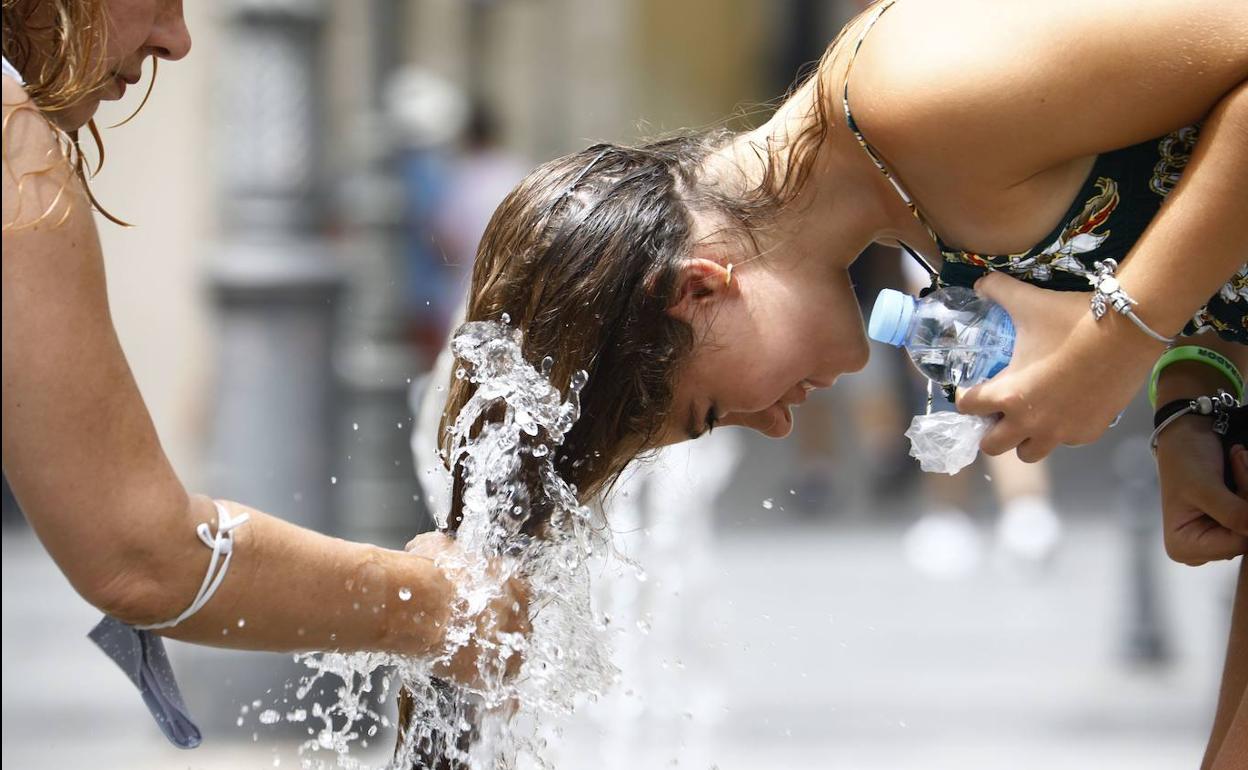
{"x": 59, "y": 47}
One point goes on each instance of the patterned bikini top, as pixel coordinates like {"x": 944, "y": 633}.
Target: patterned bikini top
{"x": 1117, "y": 201}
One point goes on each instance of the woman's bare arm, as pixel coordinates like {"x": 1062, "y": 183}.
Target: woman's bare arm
{"x": 86, "y": 464}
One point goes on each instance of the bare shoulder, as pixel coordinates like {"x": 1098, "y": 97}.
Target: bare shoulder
{"x": 52, "y": 259}
{"x": 42, "y": 194}
{"x": 1044, "y": 83}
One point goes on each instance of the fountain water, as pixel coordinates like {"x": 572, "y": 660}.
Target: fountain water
{"x": 504, "y": 442}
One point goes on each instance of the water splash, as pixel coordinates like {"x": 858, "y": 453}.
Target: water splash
{"x": 501, "y": 720}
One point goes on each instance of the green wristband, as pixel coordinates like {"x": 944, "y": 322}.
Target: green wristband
{"x": 1201, "y": 355}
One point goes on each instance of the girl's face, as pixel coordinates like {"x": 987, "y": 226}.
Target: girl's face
{"x": 778, "y": 329}
{"x": 137, "y": 29}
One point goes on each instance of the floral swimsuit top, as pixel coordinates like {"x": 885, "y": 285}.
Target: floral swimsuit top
{"x": 1117, "y": 201}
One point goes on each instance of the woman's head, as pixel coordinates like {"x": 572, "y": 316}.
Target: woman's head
{"x": 698, "y": 280}
{"x": 638, "y": 266}
{"x": 74, "y": 54}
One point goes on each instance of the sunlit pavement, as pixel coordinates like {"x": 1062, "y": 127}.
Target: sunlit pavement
{"x": 817, "y": 648}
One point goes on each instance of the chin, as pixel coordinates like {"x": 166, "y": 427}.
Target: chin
{"x": 75, "y": 117}
{"x": 782, "y": 425}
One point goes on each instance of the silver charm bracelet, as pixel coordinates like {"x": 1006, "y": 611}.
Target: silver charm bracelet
{"x": 1107, "y": 293}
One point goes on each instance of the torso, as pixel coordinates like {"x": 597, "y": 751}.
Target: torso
{"x": 1045, "y": 225}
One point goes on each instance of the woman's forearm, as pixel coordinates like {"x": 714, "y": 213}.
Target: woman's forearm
{"x": 1188, "y": 379}
{"x": 1200, "y": 236}
{"x": 289, "y": 588}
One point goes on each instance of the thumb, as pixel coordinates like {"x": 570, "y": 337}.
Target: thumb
{"x": 1239, "y": 469}
{"x": 1003, "y": 289}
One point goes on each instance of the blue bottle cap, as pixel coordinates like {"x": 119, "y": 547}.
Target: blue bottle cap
{"x": 890, "y": 317}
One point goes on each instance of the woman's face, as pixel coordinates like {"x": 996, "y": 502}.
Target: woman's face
{"x": 137, "y": 29}
{"x": 778, "y": 329}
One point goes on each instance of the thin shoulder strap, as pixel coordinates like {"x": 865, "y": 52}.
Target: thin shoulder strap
{"x": 866, "y": 146}
{"x": 12, "y": 72}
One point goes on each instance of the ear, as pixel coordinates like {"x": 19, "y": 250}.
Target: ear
{"x": 702, "y": 283}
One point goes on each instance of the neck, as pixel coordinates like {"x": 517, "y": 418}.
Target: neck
{"x": 845, "y": 203}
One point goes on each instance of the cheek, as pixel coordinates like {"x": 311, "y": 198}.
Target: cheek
{"x": 130, "y": 24}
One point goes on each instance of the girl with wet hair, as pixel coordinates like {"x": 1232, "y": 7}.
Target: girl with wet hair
{"x": 80, "y": 451}
{"x": 1062, "y": 158}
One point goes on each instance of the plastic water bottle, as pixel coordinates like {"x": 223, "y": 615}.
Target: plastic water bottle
{"x": 953, "y": 335}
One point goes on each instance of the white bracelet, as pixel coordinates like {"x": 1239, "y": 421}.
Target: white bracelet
{"x": 222, "y": 544}
{"x": 1107, "y": 292}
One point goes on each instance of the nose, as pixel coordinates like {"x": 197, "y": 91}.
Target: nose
{"x": 170, "y": 38}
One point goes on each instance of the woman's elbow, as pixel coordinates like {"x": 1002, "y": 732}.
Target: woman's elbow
{"x": 137, "y": 588}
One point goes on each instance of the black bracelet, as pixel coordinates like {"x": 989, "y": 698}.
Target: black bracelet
{"x": 1219, "y": 407}
{"x": 1164, "y": 411}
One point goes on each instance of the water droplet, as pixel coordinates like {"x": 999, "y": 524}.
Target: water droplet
{"x": 405, "y": 594}
{"x": 355, "y": 426}
{"x": 298, "y": 715}
{"x": 541, "y": 450}
{"x": 768, "y": 504}
{"x": 241, "y": 622}
{"x": 269, "y": 717}
{"x": 506, "y": 318}
{"x": 460, "y": 373}
{"x": 548, "y": 365}
{"x": 333, "y": 479}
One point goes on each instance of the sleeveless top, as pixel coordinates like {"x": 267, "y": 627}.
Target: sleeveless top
{"x": 12, "y": 72}
{"x": 1116, "y": 203}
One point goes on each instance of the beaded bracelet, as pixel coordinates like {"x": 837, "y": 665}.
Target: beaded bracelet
{"x": 1218, "y": 407}
{"x": 1201, "y": 355}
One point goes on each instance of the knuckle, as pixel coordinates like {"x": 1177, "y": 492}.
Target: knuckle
{"x": 1176, "y": 549}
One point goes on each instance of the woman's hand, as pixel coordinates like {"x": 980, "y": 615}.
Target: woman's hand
{"x": 1070, "y": 375}
{"x": 487, "y": 646}
{"x": 1202, "y": 520}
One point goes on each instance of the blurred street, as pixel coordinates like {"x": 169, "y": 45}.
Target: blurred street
{"x": 827, "y": 651}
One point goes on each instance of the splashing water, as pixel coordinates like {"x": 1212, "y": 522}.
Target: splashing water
{"x": 500, "y": 720}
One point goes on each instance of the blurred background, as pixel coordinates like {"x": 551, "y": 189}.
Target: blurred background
{"x": 307, "y": 189}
